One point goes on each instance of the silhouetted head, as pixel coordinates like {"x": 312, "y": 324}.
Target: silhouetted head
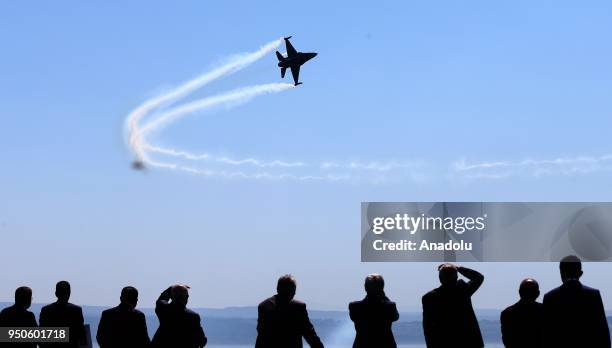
{"x": 374, "y": 285}
{"x": 23, "y": 297}
{"x": 529, "y": 290}
{"x": 129, "y": 296}
{"x": 448, "y": 274}
{"x": 570, "y": 268}
{"x": 180, "y": 295}
{"x": 286, "y": 287}
{"x": 62, "y": 291}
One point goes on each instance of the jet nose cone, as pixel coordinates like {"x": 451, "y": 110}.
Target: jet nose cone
{"x": 314, "y": 55}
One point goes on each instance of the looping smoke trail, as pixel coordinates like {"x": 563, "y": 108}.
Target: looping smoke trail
{"x": 135, "y": 136}
{"x": 166, "y": 114}
{"x": 137, "y": 133}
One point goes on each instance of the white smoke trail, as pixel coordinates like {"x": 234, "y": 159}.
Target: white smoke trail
{"x": 353, "y": 165}
{"x": 240, "y": 95}
{"x": 560, "y": 161}
{"x": 373, "y": 166}
{"x": 537, "y": 168}
{"x": 136, "y": 138}
{"x": 243, "y": 175}
{"x": 226, "y": 160}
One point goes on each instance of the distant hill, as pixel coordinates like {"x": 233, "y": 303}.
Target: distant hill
{"x": 251, "y": 312}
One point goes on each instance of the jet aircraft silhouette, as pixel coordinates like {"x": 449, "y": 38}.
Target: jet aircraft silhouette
{"x": 293, "y": 61}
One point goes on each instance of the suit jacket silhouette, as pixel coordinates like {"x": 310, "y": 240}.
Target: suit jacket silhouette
{"x": 179, "y": 327}
{"x": 282, "y": 324}
{"x": 17, "y": 317}
{"x": 64, "y": 314}
{"x": 575, "y": 317}
{"x": 373, "y": 317}
{"x": 522, "y": 325}
{"x": 448, "y": 315}
{"x": 123, "y": 327}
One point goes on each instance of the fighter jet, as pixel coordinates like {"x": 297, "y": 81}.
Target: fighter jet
{"x": 293, "y": 61}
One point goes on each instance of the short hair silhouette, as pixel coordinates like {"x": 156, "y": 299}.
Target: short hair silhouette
{"x": 529, "y": 289}
{"x": 63, "y": 313}
{"x": 570, "y": 267}
{"x": 180, "y": 294}
{"x": 575, "y": 314}
{"x": 62, "y": 291}
{"x": 523, "y": 323}
{"x": 447, "y": 273}
{"x": 286, "y": 286}
{"x": 282, "y": 321}
{"x": 129, "y": 296}
{"x": 23, "y": 297}
{"x": 374, "y": 284}
{"x": 123, "y": 326}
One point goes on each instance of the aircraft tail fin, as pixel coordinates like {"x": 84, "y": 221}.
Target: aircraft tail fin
{"x": 279, "y": 56}
{"x": 283, "y": 71}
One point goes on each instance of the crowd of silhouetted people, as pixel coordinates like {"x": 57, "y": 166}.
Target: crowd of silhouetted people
{"x": 571, "y": 315}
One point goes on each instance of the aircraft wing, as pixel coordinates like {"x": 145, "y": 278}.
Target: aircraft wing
{"x": 295, "y": 71}
{"x": 290, "y": 50}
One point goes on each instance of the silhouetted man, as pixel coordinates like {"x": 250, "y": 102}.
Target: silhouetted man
{"x": 123, "y": 326}
{"x": 18, "y": 315}
{"x": 574, "y": 312}
{"x": 448, "y": 315}
{"x": 373, "y": 316}
{"x": 64, "y": 314}
{"x": 179, "y": 327}
{"x": 283, "y": 321}
{"x": 522, "y": 324}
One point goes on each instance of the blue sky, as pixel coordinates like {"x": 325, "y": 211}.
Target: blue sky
{"x": 393, "y": 81}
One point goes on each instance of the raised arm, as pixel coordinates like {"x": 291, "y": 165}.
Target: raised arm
{"x": 162, "y": 300}
{"x": 474, "y": 277}
{"x": 165, "y": 295}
